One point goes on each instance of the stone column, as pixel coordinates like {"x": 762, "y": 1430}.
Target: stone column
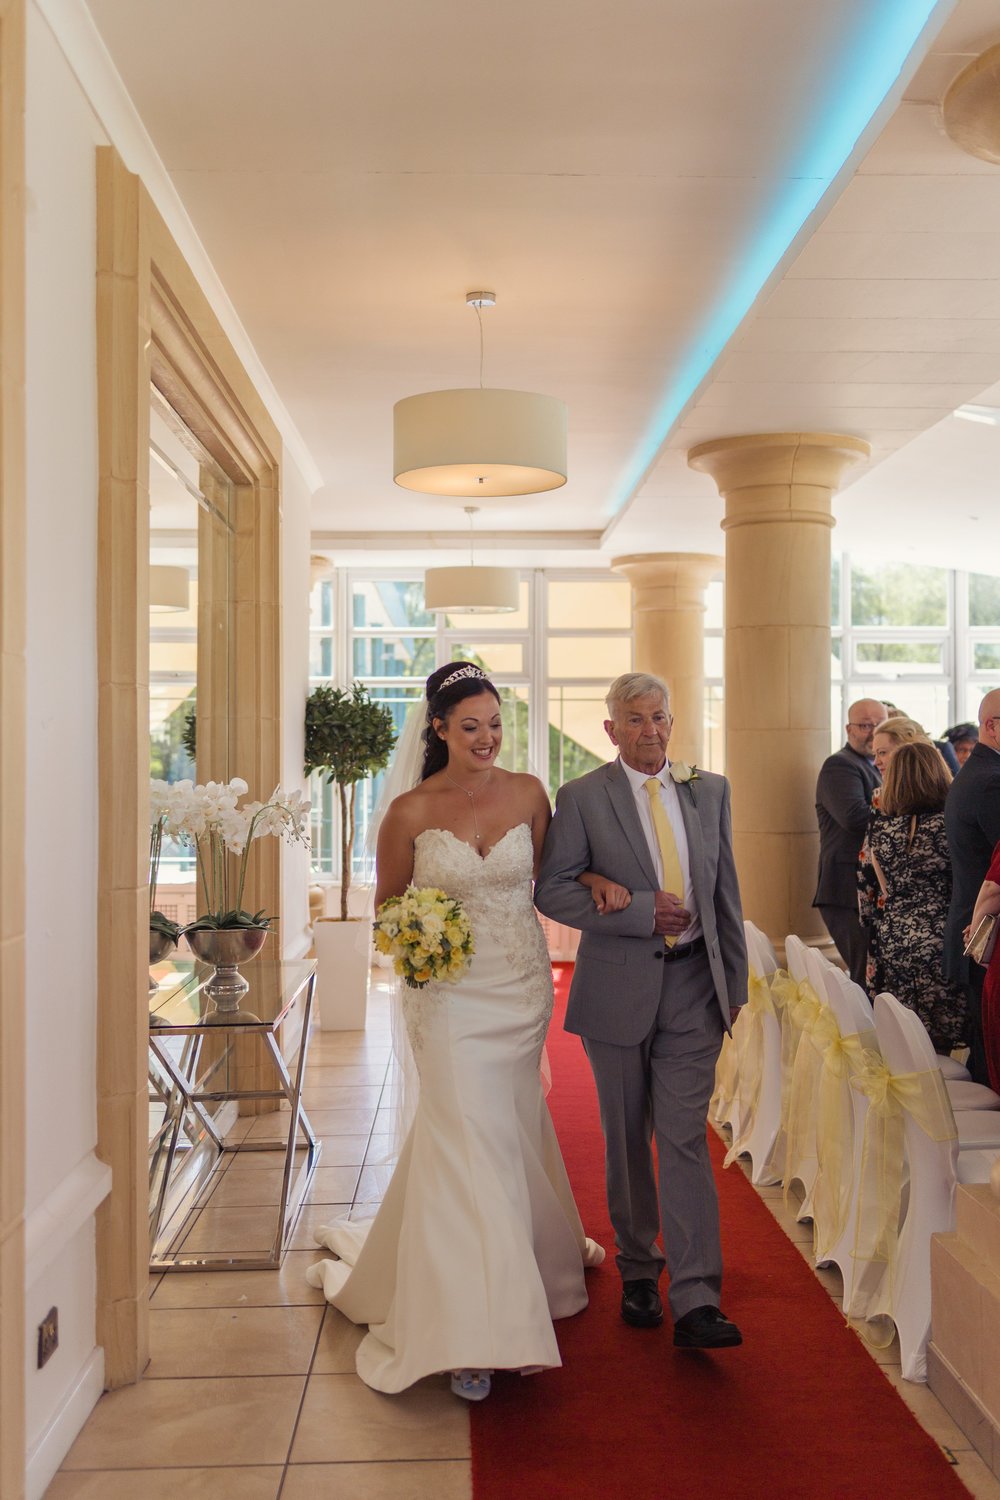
{"x": 668, "y": 621}
{"x": 778, "y": 489}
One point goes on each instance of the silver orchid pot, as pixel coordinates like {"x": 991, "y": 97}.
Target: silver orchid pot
{"x": 160, "y": 947}
{"x": 225, "y": 948}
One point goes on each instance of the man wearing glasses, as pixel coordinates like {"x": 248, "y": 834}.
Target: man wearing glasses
{"x": 972, "y": 823}
{"x": 843, "y": 802}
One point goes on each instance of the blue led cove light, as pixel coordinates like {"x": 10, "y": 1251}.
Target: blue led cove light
{"x": 869, "y": 67}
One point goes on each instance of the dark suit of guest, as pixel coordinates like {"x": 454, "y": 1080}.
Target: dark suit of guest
{"x": 843, "y": 801}
{"x": 972, "y": 823}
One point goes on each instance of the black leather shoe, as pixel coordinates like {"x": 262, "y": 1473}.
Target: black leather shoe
{"x": 706, "y": 1328}
{"x": 641, "y": 1305}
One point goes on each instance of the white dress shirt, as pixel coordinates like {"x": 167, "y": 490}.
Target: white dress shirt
{"x": 670, "y": 798}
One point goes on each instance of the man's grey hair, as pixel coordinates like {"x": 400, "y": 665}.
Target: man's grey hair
{"x": 635, "y": 685}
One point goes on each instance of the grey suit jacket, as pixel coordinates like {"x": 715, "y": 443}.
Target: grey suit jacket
{"x": 616, "y": 985}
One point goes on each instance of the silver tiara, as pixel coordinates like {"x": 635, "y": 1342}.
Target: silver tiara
{"x": 462, "y": 672}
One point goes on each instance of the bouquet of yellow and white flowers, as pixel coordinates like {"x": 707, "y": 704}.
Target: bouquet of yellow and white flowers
{"x": 426, "y": 933}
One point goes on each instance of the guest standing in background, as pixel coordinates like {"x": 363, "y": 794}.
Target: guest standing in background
{"x": 843, "y": 798}
{"x": 972, "y": 821}
{"x": 909, "y": 855}
{"x": 888, "y": 736}
{"x": 963, "y": 739}
{"x": 988, "y": 904}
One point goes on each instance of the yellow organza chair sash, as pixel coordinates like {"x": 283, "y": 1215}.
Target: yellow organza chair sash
{"x": 810, "y": 1023}
{"x": 788, "y": 995}
{"x": 892, "y": 1098}
{"x": 843, "y": 1058}
{"x": 748, "y": 1055}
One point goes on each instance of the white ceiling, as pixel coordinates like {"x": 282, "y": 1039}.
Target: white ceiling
{"x": 353, "y": 168}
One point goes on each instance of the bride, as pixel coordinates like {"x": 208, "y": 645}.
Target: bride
{"x": 477, "y": 1245}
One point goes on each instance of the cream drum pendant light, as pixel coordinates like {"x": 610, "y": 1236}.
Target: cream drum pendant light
{"x": 472, "y": 590}
{"x": 168, "y": 589}
{"x": 479, "y": 442}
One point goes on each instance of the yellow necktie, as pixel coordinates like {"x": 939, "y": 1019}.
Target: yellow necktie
{"x": 673, "y": 875}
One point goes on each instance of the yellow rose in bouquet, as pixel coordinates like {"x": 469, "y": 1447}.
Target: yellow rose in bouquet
{"x": 426, "y": 933}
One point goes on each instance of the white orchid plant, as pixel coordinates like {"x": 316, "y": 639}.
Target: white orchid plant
{"x": 209, "y": 818}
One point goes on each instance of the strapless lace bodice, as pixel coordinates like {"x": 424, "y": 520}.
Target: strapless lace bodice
{"x": 495, "y": 891}
{"x": 496, "y": 894}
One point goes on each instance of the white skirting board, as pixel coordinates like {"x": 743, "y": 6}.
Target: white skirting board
{"x": 55, "y": 1442}
{"x": 55, "y": 1221}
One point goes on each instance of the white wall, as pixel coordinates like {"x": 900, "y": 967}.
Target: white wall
{"x": 64, "y": 1181}
{"x": 295, "y": 542}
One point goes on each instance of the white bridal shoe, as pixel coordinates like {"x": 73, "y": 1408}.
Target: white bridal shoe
{"x": 471, "y": 1385}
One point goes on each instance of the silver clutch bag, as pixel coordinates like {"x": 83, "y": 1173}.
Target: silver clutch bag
{"x": 982, "y": 942}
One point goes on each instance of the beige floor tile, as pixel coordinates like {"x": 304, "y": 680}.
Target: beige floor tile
{"x": 338, "y": 1340}
{"x": 310, "y": 1219}
{"x": 977, "y": 1476}
{"x": 239, "y": 1230}
{"x": 151, "y": 1425}
{"x": 342, "y": 1420}
{"x": 263, "y": 1161}
{"x": 927, "y": 1409}
{"x": 262, "y": 1189}
{"x": 232, "y": 1341}
{"x": 167, "y": 1484}
{"x": 342, "y": 1121}
{"x": 450, "y": 1480}
{"x": 344, "y": 1150}
{"x": 286, "y": 1287}
{"x": 330, "y": 1075}
{"x": 373, "y": 1183}
{"x": 333, "y": 1185}
{"x": 342, "y": 1096}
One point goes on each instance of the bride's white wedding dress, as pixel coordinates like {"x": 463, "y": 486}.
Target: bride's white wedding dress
{"x": 477, "y": 1245}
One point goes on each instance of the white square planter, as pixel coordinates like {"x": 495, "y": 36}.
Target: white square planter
{"x": 343, "y": 954}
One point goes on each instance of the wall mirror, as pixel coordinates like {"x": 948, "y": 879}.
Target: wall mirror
{"x": 191, "y": 544}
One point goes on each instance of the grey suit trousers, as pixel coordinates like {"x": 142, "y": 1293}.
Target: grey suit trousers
{"x": 661, "y": 1088}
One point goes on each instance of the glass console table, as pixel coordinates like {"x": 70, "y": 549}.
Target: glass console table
{"x": 202, "y": 1062}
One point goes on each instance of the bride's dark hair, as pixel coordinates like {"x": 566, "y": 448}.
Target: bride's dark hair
{"x": 446, "y": 688}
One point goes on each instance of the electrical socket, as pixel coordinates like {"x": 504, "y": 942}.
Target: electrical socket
{"x": 48, "y": 1336}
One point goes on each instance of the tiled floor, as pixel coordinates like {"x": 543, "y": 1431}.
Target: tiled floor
{"x": 251, "y": 1392}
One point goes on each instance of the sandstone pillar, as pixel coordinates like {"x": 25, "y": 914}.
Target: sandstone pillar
{"x": 778, "y": 489}
{"x": 668, "y": 621}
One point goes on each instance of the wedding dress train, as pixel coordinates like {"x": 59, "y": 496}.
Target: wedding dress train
{"x": 477, "y": 1245}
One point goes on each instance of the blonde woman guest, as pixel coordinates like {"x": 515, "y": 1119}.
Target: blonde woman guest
{"x": 909, "y": 855}
{"x": 892, "y": 732}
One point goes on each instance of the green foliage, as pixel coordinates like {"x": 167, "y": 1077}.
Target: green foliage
{"x": 189, "y": 737}
{"x": 216, "y": 921}
{"x": 898, "y": 594}
{"x": 171, "y": 757}
{"x": 984, "y": 600}
{"x": 159, "y": 923}
{"x": 348, "y": 737}
{"x": 577, "y": 760}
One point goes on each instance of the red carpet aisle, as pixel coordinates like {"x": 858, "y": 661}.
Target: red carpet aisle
{"x": 799, "y": 1411}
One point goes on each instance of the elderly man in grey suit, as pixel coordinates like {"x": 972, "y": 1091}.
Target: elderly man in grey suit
{"x": 654, "y": 989}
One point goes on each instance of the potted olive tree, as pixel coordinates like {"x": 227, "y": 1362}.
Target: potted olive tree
{"x": 348, "y": 738}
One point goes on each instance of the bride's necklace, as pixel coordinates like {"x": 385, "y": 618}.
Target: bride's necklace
{"x": 472, "y": 798}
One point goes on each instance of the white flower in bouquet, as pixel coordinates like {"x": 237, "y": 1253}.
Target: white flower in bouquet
{"x": 427, "y": 934}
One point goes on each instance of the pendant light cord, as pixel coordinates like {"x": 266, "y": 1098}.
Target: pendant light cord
{"x": 482, "y": 345}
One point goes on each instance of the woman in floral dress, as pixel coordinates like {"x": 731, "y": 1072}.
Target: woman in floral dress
{"x": 886, "y": 740}
{"x": 909, "y": 855}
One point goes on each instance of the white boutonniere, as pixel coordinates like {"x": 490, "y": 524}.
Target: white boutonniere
{"x": 681, "y": 772}
{"x": 684, "y": 775}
